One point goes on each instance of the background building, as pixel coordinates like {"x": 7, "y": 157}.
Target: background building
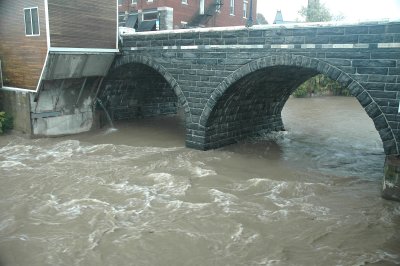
{"x": 177, "y": 14}
{"x": 53, "y": 57}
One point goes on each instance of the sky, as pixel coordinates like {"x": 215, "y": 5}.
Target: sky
{"x": 352, "y": 10}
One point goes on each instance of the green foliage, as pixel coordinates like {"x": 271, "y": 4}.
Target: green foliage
{"x": 301, "y": 92}
{"x": 315, "y": 12}
{"x": 261, "y": 19}
{"x": 320, "y": 85}
{"x": 6, "y": 122}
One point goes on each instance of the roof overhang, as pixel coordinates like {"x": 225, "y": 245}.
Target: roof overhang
{"x": 62, "y": 65}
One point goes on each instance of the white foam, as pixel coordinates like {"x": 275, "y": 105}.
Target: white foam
{"x": 202, "y": 172}
{"x": 11, "y": 164}
{"x": 236, "y": 236}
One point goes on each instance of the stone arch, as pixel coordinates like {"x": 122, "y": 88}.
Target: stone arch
{"x": 139, "y": 59}
{"x": 314, "y": 65}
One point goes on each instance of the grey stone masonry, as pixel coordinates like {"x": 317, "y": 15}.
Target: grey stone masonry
{"x": 233, "y": 82}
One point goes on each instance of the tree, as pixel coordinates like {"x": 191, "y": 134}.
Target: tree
{"x": 261, "y": 19}
{"x": 320, "y": 84}
{"x": 315, "y": 12}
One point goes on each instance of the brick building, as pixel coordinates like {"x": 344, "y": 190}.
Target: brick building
{"x": 176, "y": 14}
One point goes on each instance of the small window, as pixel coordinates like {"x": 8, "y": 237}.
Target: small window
{"x": 232, "y": 7}
{"x": 245, "y": 8}
{"x": 184, "y": 2}
{"x": 120, "y": 2}
{"x": 31, "y": 21}
{"x": 134, "y": 2}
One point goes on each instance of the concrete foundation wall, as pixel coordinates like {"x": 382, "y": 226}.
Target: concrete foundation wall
{"x": 18, "y": 105}
{"x": 64, "y": 107}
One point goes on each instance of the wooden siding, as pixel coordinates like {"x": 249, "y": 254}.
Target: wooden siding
{"x": 83, "y": 24}
{"x": 22, "y": 56}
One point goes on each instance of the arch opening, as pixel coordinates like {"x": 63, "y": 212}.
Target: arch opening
{"x": 136, "y": 90}
{"x": 253, "y": 104}
{"x": 252, "y": 98}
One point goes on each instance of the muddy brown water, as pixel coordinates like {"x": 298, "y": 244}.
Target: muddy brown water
{"x": 137, "y": 196}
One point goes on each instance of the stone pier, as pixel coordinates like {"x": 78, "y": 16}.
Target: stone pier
{"x": 391, "y": 179}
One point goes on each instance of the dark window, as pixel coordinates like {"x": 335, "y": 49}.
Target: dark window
{"x": 31, "y": 21}
{"x": 150, "y": 16}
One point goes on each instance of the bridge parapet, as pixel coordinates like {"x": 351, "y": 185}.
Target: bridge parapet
{"x": 234, "y": 81}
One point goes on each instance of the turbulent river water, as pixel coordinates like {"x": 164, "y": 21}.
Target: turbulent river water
{"x": 137, "y": 196}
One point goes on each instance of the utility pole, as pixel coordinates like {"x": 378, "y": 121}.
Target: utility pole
{"x": 249, "y": 22}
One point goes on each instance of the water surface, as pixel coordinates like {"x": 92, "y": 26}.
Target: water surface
{"x": 137, "y": 196}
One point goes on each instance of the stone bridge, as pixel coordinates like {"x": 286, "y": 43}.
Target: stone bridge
{"x": 234, "y": 82}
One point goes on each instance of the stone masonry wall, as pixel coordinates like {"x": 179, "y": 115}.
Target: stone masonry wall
{"x": 136, "y": 91}
{"x": 204, "y": 67}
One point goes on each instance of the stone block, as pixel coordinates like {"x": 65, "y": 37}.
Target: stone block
{"x": 169, "y": 42}
{"x": 364, "y": 98}
{"x": 356, "y": 30}
{"x": 373, "y": 110}
{"x": 338, "y": 62}
{"x": 374, "y": 63}
{"x": 230, "y": 41}
{"x": 294, "y": 40}
{"x": 373, "y": 86}
{"x": 344, "y": 80}
{"x": 348, "y": 70}
{"x": 384, "y": 55}
{"x": 375, "y": 38}
{"x": 233, "y": 34}
{"x": 211, "y": 34}
{"x": 383, "y": 94}
{"x": 274, "y": 40}
{"x": 382, "y": 78}
{"x": 355, "y": 89}
{"x": 391, "y": 110}
{"x": 392, "y": 87}
{"x": 373, "y": 70}
{"x": 304, "y": 32}
{"x": 330, "y": 31}
{"x": 184, "y": 42}
{"x": 393, "y": 28}
{"x": 377, "y": 29}
{"x": 395, "y": 71}
{"x": 317, "y": 39}
{"x": 348, "y": 55}
{"x": 349, "y": 39}
{"x": 256, "y": 33}
{"x": 380, "y": 122}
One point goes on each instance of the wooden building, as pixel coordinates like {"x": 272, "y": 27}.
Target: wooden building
{"x": 49, "y": 45}
{"x": 31, "y": 30}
